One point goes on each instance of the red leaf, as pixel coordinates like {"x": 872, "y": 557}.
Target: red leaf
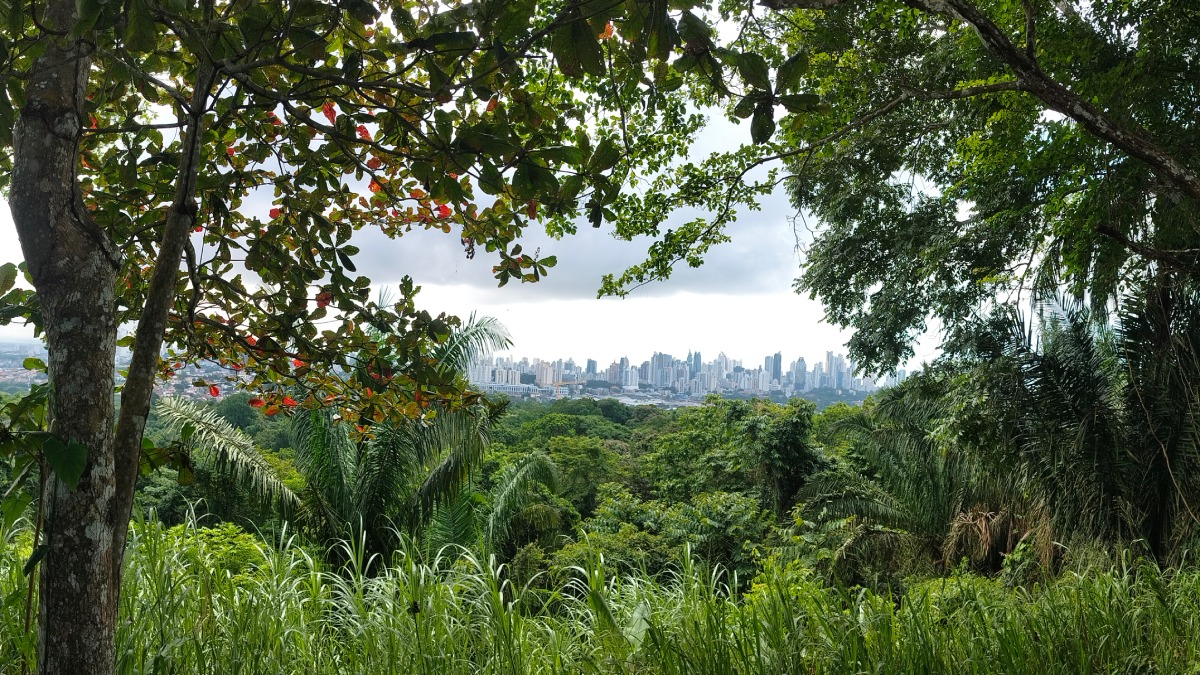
{"x": 298, "y": 363}
{"x": 532, "y": 209}
{"x": 374, "y": 186}
{"x": 235, "y": 366}
{"x": 290, "y": 402}
{"x": 251, "y": 341}
{"x": 275, "y": 213}
{"x": 444, "y": 211}
{"x": 363, "y": 132}
{"x": 230, "y": 151}
{"x": 330, "y": 114}
{"x": 214, "y": 390}
{"x": 374, "y": 163}
{"x": 324, "y": 298}
{"x": 271, "y": 411}
{"x": 256, "y": 402}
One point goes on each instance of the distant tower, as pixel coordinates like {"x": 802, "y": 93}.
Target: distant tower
{"x": 777, "y": 367}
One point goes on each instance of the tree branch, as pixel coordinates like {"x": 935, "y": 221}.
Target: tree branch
{"x": 1167, "y": 258}
{"x": 148, "y": 338}
{"x": 1135, "y": 142}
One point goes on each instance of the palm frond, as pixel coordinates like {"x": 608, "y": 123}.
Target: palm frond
{"x": 454, "y": 523}
{"x": 459, "y": 438}
{"x": 476, "y": 338}
{"x": 204, "y": 433}
{"x": 510, "y": 497}
{"x": 327, "y": 457}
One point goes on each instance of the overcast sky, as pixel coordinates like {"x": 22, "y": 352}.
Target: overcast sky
{"x": 739, "y": 302}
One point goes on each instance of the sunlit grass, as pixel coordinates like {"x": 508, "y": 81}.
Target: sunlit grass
{"x": 195, "y": 604}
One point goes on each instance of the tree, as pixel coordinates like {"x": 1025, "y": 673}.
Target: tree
{"x": 966, "y": 151}
{"x": 143, "y": 130}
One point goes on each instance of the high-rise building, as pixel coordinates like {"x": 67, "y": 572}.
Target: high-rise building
{"x": 800, "y": 374}
{"x": 591, "y": 366}
{"x": 777, "y": 367}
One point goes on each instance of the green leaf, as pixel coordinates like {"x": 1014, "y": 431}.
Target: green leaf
{"x": 514, "y": 18}
{"x": 364, "y": 12}
{"x": 762, "y": 126}
{"x": 141, "y": 32}
{"x": 490, "y": 179}
{"x": 605, "y": 157}
{"x": 14, "y": 506}
{"x": 88, "y": 12}
{"x": 308, "y": 43}
{"x": 549, "y": 261}
{"x": 576, "y": 48}
{"x": 34, "y": 363}
{"x": 662, "y": 35}
{"x": 753, "y": 69}
{"x": 66, "y": 459}
{"x": 35, "y": 558}
{"x": 745, "y": 107}
{"x": 8, "y": 277}
{"x": 789, "y": 74}
{"x": 563, "y": 153}
{"x": 798, "y": 103}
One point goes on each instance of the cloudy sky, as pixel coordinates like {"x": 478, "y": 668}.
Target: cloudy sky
{"x": 739, "y": 302}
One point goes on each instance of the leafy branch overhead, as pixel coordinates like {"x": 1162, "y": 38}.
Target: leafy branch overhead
{"x": 477, "y": 119}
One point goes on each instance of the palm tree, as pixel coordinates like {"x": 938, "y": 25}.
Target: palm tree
{"x": 909, "y": 498}
{"x": 394, "y": 477}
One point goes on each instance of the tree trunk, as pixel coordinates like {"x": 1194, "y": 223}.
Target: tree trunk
{"x": 74, "y": 268}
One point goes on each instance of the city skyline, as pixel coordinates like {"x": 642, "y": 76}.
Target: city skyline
{"x": 672, "y": 377}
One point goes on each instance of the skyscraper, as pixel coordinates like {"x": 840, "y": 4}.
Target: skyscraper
{"x": 777, "y": 367}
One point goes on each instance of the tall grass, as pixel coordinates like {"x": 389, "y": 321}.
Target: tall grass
{"x": 187, "y": 608}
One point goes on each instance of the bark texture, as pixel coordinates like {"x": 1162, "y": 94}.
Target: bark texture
{"x": 74, "y": 266}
